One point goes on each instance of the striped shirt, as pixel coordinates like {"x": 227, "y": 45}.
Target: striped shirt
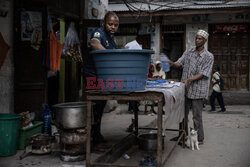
{"x": 194, "y": 64}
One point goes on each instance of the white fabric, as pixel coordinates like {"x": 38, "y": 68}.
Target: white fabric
{"x": 159, "y": 73}
{"x": 216, "y": 76}
{"x": 174, "y": 104}
{"x": 110, "y": 106}
{"x": 133, "y": 45}
{"x": 203, "y": 34}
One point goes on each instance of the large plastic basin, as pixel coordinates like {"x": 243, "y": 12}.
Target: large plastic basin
{"x": 121, "y": 69}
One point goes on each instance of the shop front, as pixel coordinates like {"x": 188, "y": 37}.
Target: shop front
{"x": 230, "y": 45}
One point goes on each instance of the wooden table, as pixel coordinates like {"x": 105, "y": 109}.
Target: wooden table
{"x": 137, "y": 96}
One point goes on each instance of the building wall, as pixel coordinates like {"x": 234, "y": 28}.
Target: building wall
{"x": 95, "y": 9}
{"x": 191, "y": 30}
{"x": 191, "y": 22}
{"x": 7, "y": 70}
{"x": 208, "y": 18}
{"x": 155, "y": 42}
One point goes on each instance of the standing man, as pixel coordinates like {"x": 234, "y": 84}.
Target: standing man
{"x": 102, "y": 38}
{"x": 216, "y": 91}
{"x": 197, "y": 65}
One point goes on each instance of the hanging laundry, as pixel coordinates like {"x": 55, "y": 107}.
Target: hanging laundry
{"x": 53, "y": 53}
{"x": 55, "y": 49}
{"x": 4, "y": 48}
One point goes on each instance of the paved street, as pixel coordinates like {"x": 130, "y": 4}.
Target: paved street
{"x": 227, "y": 141}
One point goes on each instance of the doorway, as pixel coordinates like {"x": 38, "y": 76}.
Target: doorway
{"x": 231, "y": 55}
{"x": 30, "y": 90}
{"x": 173, "y": 48}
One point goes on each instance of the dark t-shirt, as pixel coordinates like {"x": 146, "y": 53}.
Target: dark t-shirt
{"x": 107, "y": 42}
{"x": 105, "y": 39}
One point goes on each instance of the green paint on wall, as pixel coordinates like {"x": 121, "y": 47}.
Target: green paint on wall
{"x": 61, "y": 95}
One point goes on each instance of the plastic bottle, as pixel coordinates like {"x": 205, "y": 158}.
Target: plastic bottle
{"x": 46, "y": 118}
{"x": 165, "y": 62}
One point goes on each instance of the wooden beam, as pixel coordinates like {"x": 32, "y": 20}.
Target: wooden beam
{"x": 159, "y": 134}
{"x": 63, "y": 14}
{"x": 117, "y": 150}
{"x": 88, "y": 126}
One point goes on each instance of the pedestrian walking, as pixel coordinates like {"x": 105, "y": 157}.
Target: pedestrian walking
{"x": 217, "y": 92}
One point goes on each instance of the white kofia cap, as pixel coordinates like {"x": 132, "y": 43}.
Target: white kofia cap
{"x": 203, "y": 33}
{"x": 157, "y": 62}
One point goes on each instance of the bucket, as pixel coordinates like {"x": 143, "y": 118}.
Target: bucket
{"x": 9, "y": 131}
{"x": 120, "y": 70}
{"x": 148, "y": 141}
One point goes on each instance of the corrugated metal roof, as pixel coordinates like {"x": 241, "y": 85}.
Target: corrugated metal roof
{"x": 160, "y": 6}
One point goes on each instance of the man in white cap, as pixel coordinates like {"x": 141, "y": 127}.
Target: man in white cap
{"x": 197, "y": 65}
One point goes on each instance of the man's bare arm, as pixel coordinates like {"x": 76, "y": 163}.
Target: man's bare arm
{"x": 96, "y": 45}
{"x": 194, "y": 78}
{"x": 174, "y": 64}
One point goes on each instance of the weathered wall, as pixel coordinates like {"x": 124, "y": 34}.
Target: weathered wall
{"x": 236, "y": 98}
{"x": 95, "y": 9}
{"x": 155, "y": 42}
{"x": 7, "y": 70}
{"x": 233, "y": 98}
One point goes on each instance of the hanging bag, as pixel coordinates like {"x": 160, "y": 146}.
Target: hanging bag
{"x": 71, "y": 46}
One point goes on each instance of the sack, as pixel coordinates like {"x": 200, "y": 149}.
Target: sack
{"x": 221, "y": 84}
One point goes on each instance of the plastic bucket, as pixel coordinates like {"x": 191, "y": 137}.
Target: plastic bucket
{"x": 9, "y": 131}
{"x": 120, "y": 70}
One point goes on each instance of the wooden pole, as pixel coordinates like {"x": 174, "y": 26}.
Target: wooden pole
{"x": 159, "y": 134}
{"x": 88, "y": 144}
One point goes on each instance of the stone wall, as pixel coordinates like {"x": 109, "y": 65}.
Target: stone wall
{"x": 7, "y": 70}
{"x": 236, "y": 98}
{"x": 95, "y": 9}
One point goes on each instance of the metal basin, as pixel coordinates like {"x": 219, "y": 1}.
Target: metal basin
{"x": 148, "y": 142}
{"x": 71, "y": 115}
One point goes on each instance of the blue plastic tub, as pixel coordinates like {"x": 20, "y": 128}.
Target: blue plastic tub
{"x": 121, "y": 70}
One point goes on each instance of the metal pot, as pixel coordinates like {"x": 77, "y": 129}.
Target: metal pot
{"x": 148, "y": 142}
{"x": 71, "y": 115}
{"x": 41, "y": 143}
